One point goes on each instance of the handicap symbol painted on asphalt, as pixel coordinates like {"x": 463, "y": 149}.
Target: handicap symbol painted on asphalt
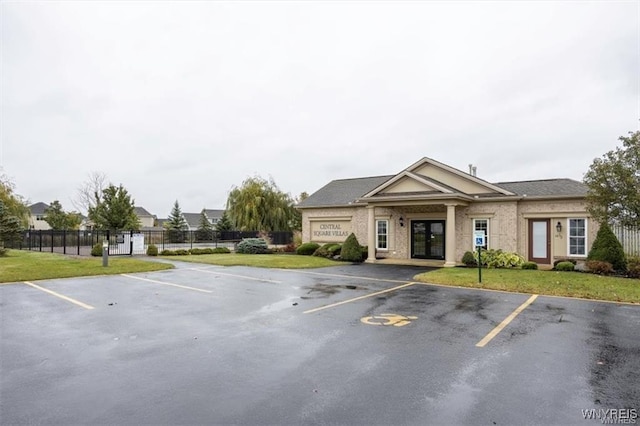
{"x": 388, "y": 319}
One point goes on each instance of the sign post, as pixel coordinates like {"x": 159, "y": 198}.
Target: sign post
{"x": 479, "y": 241}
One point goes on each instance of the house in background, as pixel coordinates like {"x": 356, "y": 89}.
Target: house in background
{"x": 429, "y": 213}
{"x": 213, "y": 215}
{"x": 147, "y": 220}
{"x": 37, "y": 215}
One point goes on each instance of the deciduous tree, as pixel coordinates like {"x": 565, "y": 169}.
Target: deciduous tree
{"x": 86, "y": 194}
{"x": 13, "y": 203}
{"x": 259, "y": 205}
{"x": 58, "y": 219}
{"x": 614, "y": 184}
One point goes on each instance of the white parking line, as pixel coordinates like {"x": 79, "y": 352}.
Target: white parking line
{"x": 61, "y": 296}
{"x": 217, "y": 272}
{"x": 166, "y": 283}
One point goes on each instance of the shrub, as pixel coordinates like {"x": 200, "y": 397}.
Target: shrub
{"x": 182, "y": 252}
{"x": 469, "y": 259}
{"x": 3, "y": 251}
{"x": 328, "y": 250}
{"x": 252, "y": 246}
{"x": 365, "y": 252}
{"x": 499, "y": 259}
{"x": 529, "y": 265}
{"x": 555, "y": 263}
{"x": 307, "y": 249}
{"x": 197, "y": 251}
{"x": 565, "y": 266}
{"x": 289, "y": 248}
{"x": 599, "y": 267}
{"x": 633, "y": 266}
{"x": 220, "y": 250}
{"x": 152, "y": 250}
{"x": 96, "y": 250}
{"x": 167, "y": 253}
{"x": 607, "y": 248}
{"x": 351, "y": 249}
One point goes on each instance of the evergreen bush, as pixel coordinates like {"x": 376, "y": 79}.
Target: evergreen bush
{"x": 499, "y": 259}
{"x": 152, "y": 250}
{"x": 252, "y": 246}
{"x": 607, "y": 248}
{"x": 529, "y": 265}
{"x": 167, "y": 253}
{"x": 351, "y": 249}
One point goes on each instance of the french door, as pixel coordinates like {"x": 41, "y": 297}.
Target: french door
{"x": 427, "y": 239}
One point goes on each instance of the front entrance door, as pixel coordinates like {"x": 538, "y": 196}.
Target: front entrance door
{"x": 539, "y": 241}
{"x": 427, "y": 239}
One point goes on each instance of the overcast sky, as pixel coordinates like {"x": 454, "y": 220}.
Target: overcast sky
{"x": 184, "y": 100}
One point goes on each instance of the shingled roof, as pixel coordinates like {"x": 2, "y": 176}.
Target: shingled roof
{"x": 546, "y": 188}
{"x": 344, "y": 192}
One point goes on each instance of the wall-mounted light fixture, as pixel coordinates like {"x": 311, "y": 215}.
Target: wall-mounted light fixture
{"x": 559, "y": 227}
{"x": 401, "y": 220}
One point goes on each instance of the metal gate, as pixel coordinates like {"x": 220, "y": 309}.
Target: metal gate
{"x": 120, "y": 243}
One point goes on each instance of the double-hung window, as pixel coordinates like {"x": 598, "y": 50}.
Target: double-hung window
{"x": 577, "y": 237}
{"x": 482, "y": 225}
{"x": 382, "y": 234}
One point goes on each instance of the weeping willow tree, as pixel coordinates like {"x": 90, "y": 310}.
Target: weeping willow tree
{"x": 259, "y": 205}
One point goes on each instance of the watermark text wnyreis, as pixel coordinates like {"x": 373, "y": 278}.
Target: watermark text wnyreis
{"x": 612, "y": 416}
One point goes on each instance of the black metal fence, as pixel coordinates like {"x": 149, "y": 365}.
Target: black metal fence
{"x": 136, "y": 242}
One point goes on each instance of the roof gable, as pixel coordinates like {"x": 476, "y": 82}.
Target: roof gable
{"x": 428, "y": 175}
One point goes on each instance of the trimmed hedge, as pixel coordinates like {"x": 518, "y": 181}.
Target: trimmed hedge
{"x": 565, "y": 266}
{"x": 529, "y": 265}
{"x": 307, "y": 249}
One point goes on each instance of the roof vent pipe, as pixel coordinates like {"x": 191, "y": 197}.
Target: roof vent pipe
{"x": 472, "y": 169}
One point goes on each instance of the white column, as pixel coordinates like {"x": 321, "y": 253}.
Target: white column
{"x": 371, "y": 234}
{"x": 450, "y": 237}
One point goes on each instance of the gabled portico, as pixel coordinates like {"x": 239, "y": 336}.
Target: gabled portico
{"x": 423, "y": 197}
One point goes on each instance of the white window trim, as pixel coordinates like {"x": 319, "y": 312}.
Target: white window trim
{"x": 387, "y": 227}
{"x": 586, "y": 236}
{"x": 473, "y": 229}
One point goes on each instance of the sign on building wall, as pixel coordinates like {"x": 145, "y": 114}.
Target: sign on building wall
{"x": 330, "y": 231}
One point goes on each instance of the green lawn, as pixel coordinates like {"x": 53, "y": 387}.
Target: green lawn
{"x": 284, "y": 261}
{"x": 570, "y": 284}
{"x": 27, "y": 266}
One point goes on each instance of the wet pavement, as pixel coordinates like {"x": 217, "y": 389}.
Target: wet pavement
{"x": 354, "y": 344}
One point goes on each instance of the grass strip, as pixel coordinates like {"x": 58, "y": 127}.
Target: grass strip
{"x": 555, "y": 283}
{"x": 18, "y": 266}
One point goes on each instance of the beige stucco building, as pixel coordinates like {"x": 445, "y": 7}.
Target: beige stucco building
{"x": 431, "y": 212}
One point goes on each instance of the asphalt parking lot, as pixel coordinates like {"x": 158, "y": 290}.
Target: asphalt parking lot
{"x": 355, "y": 344}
